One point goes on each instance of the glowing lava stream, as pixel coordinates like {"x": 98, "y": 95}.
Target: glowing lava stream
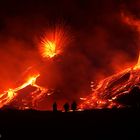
{"x": 108, "y": 90}
{"x": 10, "y": 94}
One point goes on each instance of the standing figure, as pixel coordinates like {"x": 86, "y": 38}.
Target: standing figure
{"x": 54, "y": 107}
{"x": 66, "y": 107}
{"x": 73, "y": 106}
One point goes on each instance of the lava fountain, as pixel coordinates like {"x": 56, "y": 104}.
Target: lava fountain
{"x": 54, "y": 41}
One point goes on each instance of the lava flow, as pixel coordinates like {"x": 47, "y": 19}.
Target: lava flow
{"x": 108, "y": 90}
{"x": 106, "y": 93}
{"x": 7, "y": 96}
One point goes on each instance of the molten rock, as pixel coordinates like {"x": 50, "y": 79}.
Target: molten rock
{"x": 115, "y": 91}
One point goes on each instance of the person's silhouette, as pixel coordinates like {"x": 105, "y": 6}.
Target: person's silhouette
{"x": 66, "y": 107}
{"x": 54, "y": 107}
{"x": 73, "y": 106}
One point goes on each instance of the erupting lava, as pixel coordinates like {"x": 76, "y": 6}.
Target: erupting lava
{"x": 53, "y": 42}
{"x": 49, "y": 49}
{"x": 51, "y": 45}
{"x": 108, "y": 90}
{"x": 10, "y": 94}
{"x": 104, "y": 94}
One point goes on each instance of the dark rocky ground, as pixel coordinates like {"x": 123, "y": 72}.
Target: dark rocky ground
{"x": 90, "y": 124}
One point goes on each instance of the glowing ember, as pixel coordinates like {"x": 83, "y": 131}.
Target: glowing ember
{"x": 109, "y": 89}
{"x": 10, "y": 94}
{"x": 53, "y": 42}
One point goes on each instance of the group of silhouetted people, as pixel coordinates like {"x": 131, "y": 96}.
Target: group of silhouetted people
{"x": 66, "y": 106}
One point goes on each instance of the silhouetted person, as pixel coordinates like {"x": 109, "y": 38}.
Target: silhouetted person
{"x": 54, "y": 107}
{"x": 73, "y": 106}
{"x": 66, "y": 107}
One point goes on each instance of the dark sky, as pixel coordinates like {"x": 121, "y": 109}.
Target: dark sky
{"x": 102, "y": 43}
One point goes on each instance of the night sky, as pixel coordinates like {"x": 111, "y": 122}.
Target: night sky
{"x": 101, "y": 43}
